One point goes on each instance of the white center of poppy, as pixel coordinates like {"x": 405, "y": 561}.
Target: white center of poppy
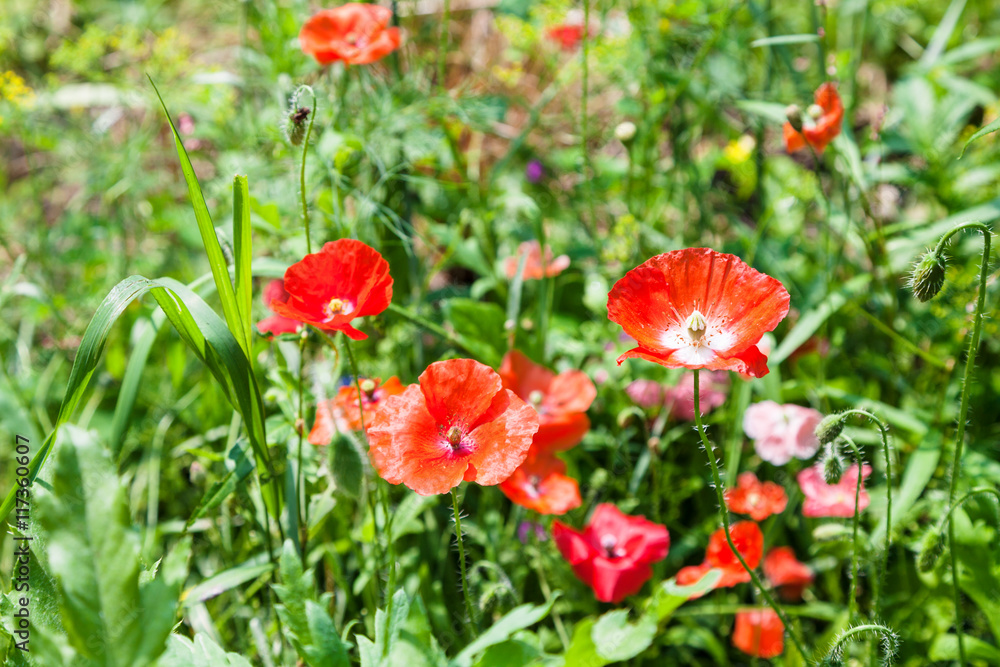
{"x": 696, "y": 326}
{"x": 337, "y": 307}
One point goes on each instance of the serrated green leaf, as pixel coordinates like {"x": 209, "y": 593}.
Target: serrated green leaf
{"x": 616, "y": 639}
{"x": 202, "y": 652}
{"x": 516, "y": 619}
{"x": 326, "y": 649}
{"x": 668, "y": 596}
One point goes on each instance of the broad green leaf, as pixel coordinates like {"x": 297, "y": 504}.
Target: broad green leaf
{"x": 144, "y": 335}
{"x": 369, "y": 655}
{"x": 479, "y": 326}
{"x": 615, "y": 639}
{"x": 511, "y": 653}
{"x": 326, "y": 649}
{"x": 771, "y": 111}
{"x": 805, "y": 38}
{"x": 516, "y": 619}
{"x": 812, "y": 319}
{"x": 243, "y": 254}
{"x": 668, "y": 596}
{"x": 93, "y": 555}
{"x": 945, "y": 649}
{"x": 202, "y": 652}
{"x": 582, "y": 650}
{"x": 347, "y": 465}
{"x": 227, "y": 579}
{"x": 389, "y": 625}
{"x": 216, "y": 259}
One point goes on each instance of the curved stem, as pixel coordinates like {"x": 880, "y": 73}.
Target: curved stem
{"x": 963, "y": 412}
{"x": 890, "y": 641}
{"x": 461, "y": 554}
{"x": 302, "y": 167}
{"x": 852, "y": 604}
{"x": 724, "y": 514}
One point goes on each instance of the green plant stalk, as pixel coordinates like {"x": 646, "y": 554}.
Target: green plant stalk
{"x": 461, "y": 554}
{"x": 963, "y": 411}
{"x": 724, "y": 515}
{"x": 300, "y": 427}
{"x": 889, "y": 639}
{"x": 852, "y": 603}
{"x": 884, "y": 433}
{"x": 443, "y": 39}
{"x": 302, "y": 167}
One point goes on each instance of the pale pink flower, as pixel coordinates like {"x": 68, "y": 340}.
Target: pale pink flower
{"x": 824, "y": 499}
{"x": 645, "y": 393}
{"x": 712, "y": 390}
{"x": 781, "y": 432}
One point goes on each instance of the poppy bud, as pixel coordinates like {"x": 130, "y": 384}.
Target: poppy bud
{"x": 794, "y": 115}
{"x": 927, "y": 278}
{"x": 625, "y": 132}
{"x": 829, "y": 428}
{"x": 295, "y": 126}
{"x": 833, "y": 464}
{"x": 931, "y": 547}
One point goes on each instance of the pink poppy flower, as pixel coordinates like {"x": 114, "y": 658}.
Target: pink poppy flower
{"x": 277, "y": 324}
{"x": 535, "y": 268}
{"x": 781, "y": 432}
{"x": 824, "y": 499}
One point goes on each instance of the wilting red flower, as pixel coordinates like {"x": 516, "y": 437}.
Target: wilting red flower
{"x": 561, "y": 401}
{"x": 614, "y": 552}
{"x": 698, "y": 308}
{"x": 541, "y": 484}
{"x": 786, "y": 573}
{"x": 749, "y": 542}
{"x": 356, "y": 33}
{"x": 277, "y": 324}
{"x": 759, "y": 632}
{"x": 824, "y": 499}
{"x": 569, "y": 35}
{"x": 329, "y": 288}
{"x": 757, "y": 499}
{"x": 458, "y": 423}
{"x": 341, "y": 413}
{"x": 821, "y": 129}
{"x": 781, "y": 432}
{"x": 534, "y": 268}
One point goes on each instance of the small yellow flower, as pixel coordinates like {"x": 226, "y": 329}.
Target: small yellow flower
{"x": 739, "y": 150}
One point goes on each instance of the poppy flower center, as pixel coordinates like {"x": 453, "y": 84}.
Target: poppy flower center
{"x": 533, "y": 482}
{"x": 368, "y": 387}
{"x": 337, "y": 307}
{"x": 609, "y": 543}
{"x": 454, "y": 436}
{"x": 696, "y": 326}
{"x": 535, "y": 398}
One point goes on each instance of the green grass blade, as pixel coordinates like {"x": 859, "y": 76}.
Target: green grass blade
{"x": 242, "y": 242}
{"x": 216, "y": 260}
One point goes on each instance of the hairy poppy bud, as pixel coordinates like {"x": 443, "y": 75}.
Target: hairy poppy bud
{"x": 295, "y": 126}
{"x": 927, "y": 278}
{"x": 625, "y": 132}
{"x": 833, "y": 464}
{"x": 829, "y": 428}
{"x": 794, "y": 115}
{"x": 931, "y": 547}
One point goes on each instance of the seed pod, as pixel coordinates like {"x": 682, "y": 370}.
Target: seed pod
{"x": 829, "y": 428}
{"x": 296, "y": 125}
{"x": 931, "y": 547}
{"x": 794, "y": 115}
{"x": 833, "y": 464}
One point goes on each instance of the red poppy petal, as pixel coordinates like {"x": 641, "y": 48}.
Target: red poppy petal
{"x": 759, "y": 632}
{"x": 523, "y": 376}
{"x": 459, "y": 391}
{"x": 277, "y": 325}
{"x": 613, "y": 582}
{"x": 794, "y": 141}
{"x": 571, "y": 544}
{"x": 571, "y": 391}
{"x": 557, "y": 434}
{"x": 501, "y": 445}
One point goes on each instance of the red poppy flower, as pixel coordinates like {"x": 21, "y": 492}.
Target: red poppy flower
{"x": 356, "y": 33}
{"x": 329, "y": 288}
{"x": 786, "y": 573}
{"x": 759, "y": 632}
{"x": 277, "y": 324}
{"x": 458, "y": 423}
{"x": 749, "y": 542}
{"x": 541, "y": 484}
{"x": 697, "y": 308}
{"x": 341, "y": 413}
{"x": 534, "y": 267}
{"x": 819, "y": 129}
{"x": 614, "y": 552}
{"x": 757, "y": 499}
{"x": 561, "y": 401}
{"x": 569, "y": 35}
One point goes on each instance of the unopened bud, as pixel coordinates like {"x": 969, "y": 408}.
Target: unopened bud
{"x": 829, "y": 428}
{"x": 833, "y": 464}
{"x": 296, "y": 125}
{"x": 794, "y": 115}
{"x": 927, "y": 278}
{"x": 625, "y": 132}
{"x": 931, "y": 547}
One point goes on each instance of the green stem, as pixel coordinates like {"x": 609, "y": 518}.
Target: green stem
{"x": 588, "y": 171}
{"x": 302, "y": 167}
{"x": 300, "y": 427}
{"x": 724, "y": 514}
{"x": 852, "y": 603}
{"x": 443, "y": 46}
{"x": 461, "y": 554}
{"x": 890, "y": 642}
{"x": 963, "y": 411}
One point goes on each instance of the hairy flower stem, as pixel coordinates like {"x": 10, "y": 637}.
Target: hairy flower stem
{"x": 461, "y": 555}
{"x": 302, "y": 166}
{"x": 890, "y": 642}
{"x": 852, "y": 602}
{"x": 724, "y": 514}
{"x": 963, "y": 411}
{"x": 300, "y": 427}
